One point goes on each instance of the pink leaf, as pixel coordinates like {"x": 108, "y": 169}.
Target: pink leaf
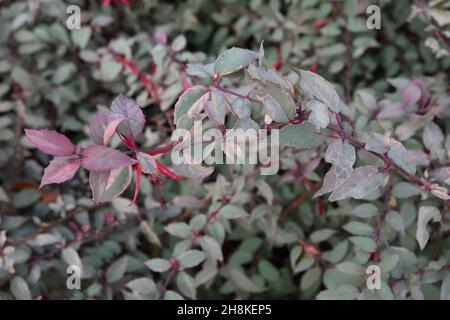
{"x": 60, "y": 170}
{"x": 50, "y": 142}
{"x": 134, "y": 121}
{"x": 160, "y": 37}
{"x": 103, "y": 126}
{"x": 99, "y": 158}
{"x": 411, "y": 93}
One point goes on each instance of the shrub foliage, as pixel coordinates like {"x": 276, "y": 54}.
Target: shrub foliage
{"x": 364, "y": 149}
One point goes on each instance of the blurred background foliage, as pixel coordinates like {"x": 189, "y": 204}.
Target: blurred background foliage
{"x": 53, "y": 77}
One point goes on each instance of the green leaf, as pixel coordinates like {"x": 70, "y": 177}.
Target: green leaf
{"x": 109, "y": 69}
{"x": 358, "y": 228}
{"x": 268, "y": 271}
{"x": 198, "y": 222}
{"x": 147, "y": 162}
{"x": 158, "y": 265}
{"x": 385, "y": 292}
{"x": 404, "y": 190}
{"x": 395, "y": 220}
{"x": 191, "y": 258}
{"x": 364, "y": 243}
{"x": 116, "y": 270}
{"x": 301, "y": 135}
{"x": 179, "y": 229}
{"x": 231, "y": 211}
{"x": 63, "y": 73}
{"x": 310, "y": 278}
{"x": 365, "y": 210}
{"x": 426, "y": 214}
{"x": 179, "y": 43}
{"x": 388, "y": 261}
{"x": 144, "y": 286}
{"x": 445, "y": 287}
{"x": 200, "y": 70}
{"x": 242, "y": 108}
{"x": 265, "y": 190}
{"x": 342, "y": 292}
{"x": 172, "y": 295}
{"x": 239, "y": 280}
{"x": 211, "y": 247}
{"x": 25, "y": 198}
{"x": 80, "y": 37}
{"x": 217, "y": 107}
{"x": 317, "y": 87}
{"x": 233, "y": 60}
{"x": 321, "y": 235}
{"x": 19, "y": 289}
{"x": 187, "y": 100}
{"x": 186, "y": 285}
{"x": 337, "y": 253}
{"x": 319, "y": 116}
{"x": 295, "y": 253}
{"x": 433, "y": 139}
{"x": 305, "y": 263}
{"x": 43, "y": 239}
{"x": 350, "y": 267}
{"x": 278, "y": 103}
{"x": 70, "y": 256}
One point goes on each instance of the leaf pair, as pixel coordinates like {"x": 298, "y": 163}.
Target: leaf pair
{"x": 68, "y": 158}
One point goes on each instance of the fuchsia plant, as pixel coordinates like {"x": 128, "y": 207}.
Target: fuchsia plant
{"x": 110, "y": 169}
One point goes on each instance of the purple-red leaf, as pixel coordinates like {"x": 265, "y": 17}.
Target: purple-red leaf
{"x": 103, "y": 126}
{"x": 51, "y": 142}
{"x": 134, "y": 121}
{"x": 99, "y": 158}
{"x": 60, "y": 170}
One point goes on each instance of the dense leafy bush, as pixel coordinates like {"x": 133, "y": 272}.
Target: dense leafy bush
{"x": 364, "y": 155}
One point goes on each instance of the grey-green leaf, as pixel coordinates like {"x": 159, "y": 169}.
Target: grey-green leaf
{"x": 233, "y": 60}
{"x": 319, "y": 88}
{"x": 301, "y": 135}
{"x": 116, "y": 270}
{"x": 19, "y": 289}
{"x": 426, "y": 214}
{"x": 186, "y": 285}
{"x": 158, "y": 265}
